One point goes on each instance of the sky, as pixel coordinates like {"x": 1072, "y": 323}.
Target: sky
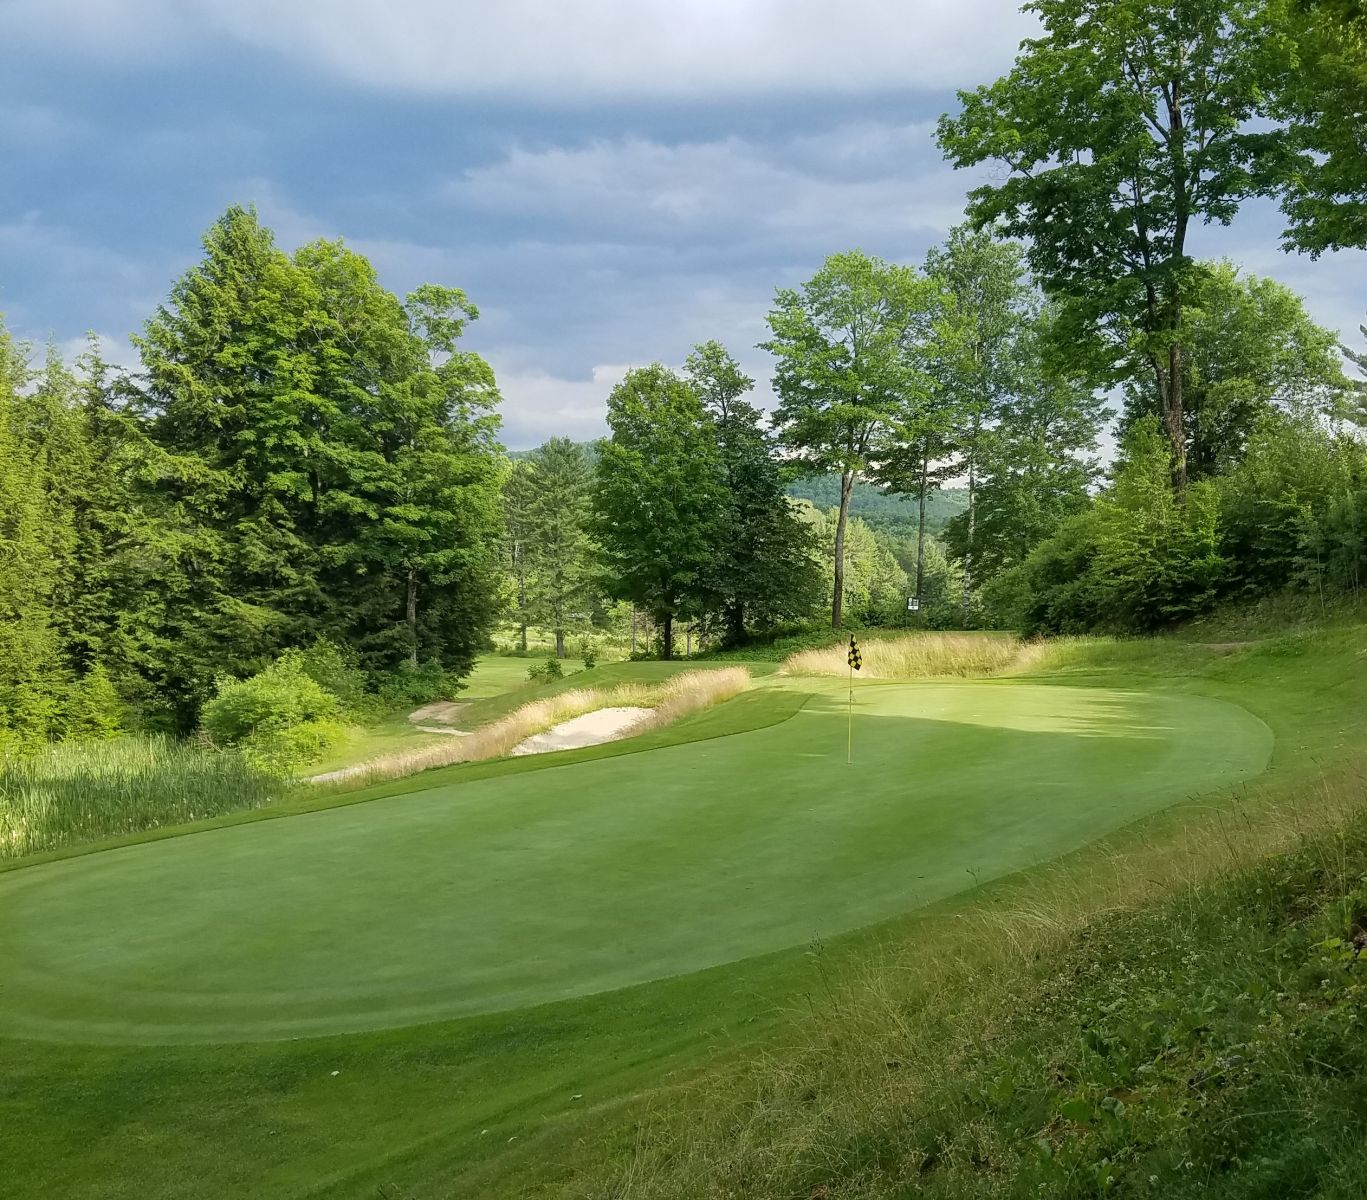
{"x": 611, "y": 181}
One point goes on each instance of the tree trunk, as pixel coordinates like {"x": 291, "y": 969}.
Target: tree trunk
{"x": 559, "y": 643}
{"x": 688, "y": 641}
{"x": 921, "y": 537}
{"x": 412, "y": 618}
{"x": 838, "y": 599}
{"x": 633, "y": 629}
{"x": 1174, "y": 418}
{"x": 667, "y": 638}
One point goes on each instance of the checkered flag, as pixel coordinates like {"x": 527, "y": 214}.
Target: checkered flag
{"x": 854, "y": 658}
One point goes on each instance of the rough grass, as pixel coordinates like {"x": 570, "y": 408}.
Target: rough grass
{"x": 916, "y": 656}
{"x": 85, "y": 791}
{"x": 984, "y": 655}
{"x": 1168, "y": 1022}
{"x": 669, "y": 700}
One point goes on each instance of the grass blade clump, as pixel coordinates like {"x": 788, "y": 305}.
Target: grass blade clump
{"x": 85, "y": 791}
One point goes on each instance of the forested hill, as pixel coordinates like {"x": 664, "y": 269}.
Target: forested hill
{"x": 877, "y": 509}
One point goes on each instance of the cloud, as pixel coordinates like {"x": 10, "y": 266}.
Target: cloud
{"x": 537, "y": 405}
{"x": 872, "y": 182}
{"x": 591, "y": 48}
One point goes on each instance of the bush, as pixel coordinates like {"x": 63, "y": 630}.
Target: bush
{"x": 338, "y": 669}
{"x": 409, "y": 687}
{"x": 279, "y": 698}
{"x": 548, "y": 672}
{"x": 94, "y": 711}
{"x": 280, "y": 751}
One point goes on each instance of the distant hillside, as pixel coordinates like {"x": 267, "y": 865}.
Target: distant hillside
{"x": 877, "y": 509}
{"x": 880, "y": 511}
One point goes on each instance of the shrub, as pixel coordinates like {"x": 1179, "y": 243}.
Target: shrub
{"x": 547, "y": 672}
{"x": 338, "y": 669}
{"x": 409, "y": 687}
{"x": 94, "y": 710}
{"x": 281, "y": 750}
{"x": 276, "y": 699}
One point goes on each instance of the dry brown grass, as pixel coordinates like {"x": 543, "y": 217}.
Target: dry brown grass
{"x": 916, "y": 656}
{"x": 668, "y": 701}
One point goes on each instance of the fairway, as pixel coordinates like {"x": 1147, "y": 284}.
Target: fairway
{"x": 515, "y": 889}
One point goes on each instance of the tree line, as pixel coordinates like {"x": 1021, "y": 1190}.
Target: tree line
{"x": 303, "y": 459}
{"x": 300, "y": 456}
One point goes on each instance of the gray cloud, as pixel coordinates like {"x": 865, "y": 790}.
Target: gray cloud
{"x": 586, "y": 48}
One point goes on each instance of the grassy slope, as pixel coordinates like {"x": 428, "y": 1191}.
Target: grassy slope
{"x": 409, "y": 1108}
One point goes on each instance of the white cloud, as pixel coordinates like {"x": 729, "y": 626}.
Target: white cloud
{"x": 674, "y": 48}
{"x": 538, "y": 405}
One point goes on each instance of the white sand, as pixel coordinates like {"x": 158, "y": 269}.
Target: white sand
{"x": 591, "y": 729}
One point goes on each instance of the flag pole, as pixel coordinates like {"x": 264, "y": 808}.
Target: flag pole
{"x": 849, "y": 736}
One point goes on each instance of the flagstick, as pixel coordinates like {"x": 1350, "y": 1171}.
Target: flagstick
{"x": 849, "y": 739}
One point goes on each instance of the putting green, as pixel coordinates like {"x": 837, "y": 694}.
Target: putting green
{"x": 512, "y": 890}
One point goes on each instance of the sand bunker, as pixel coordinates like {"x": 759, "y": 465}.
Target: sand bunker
{"x": 589, "y": 730}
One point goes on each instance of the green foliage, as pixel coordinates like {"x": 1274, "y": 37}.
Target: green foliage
{"x": 879, "y": 509}
{"x": 1123, "y": 123}
{"x": 93, "y": 708}
{"x": 1250, "y": 348}
{"x": 86, "y": 791}
{"x": 658, "y": 498}
{"x": 547, "y": 672}
{"x": 847, "y": 372}
{"x": 274, "y": 700}
{"x": 336, "y": 669}
{"x": 1139, "y": 559}
{"x": 762, "y": 570}
{"x": 1322, "y": 94}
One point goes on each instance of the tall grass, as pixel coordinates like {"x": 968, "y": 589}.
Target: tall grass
{"x": 915, "y": 656}
{"x": 977, "y": 655}
{"x": 1122, "y": 1022}
{"x": 85, "y": 791}
{"x": 669, "y": 700}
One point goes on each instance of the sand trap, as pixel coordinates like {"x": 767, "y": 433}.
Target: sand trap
{"x": 589, "y": 730}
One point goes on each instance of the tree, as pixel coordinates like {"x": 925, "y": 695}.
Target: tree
{"x": 1127, "y": 121}
{"x": 1250, "y": 347}
{"x": 329, "y": 456}
{"x": 1358, "y": 387}
{"x": 764, "y": 568}
{"x": 991, "y": 303}
{"x": 1037, "y": 462}
{"x": 561, "y": 481}
{"x": 1323, "y": 96}
{"x": 658, "y": 500}
{"x": 845, "y": 368}
{"x": 518, "y": 551}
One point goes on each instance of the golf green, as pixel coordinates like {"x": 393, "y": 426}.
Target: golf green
{"x": 505, "y": 891}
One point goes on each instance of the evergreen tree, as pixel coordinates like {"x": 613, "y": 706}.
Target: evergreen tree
{"x": 561, "y": 482}
{"x": 519, "y": 544}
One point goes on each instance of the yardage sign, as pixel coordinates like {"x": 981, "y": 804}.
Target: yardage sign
{"x": 913, "y": 604}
